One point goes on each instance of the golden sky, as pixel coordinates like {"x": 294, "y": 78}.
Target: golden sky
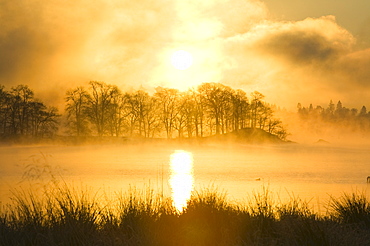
{"x": 290, "y": 50}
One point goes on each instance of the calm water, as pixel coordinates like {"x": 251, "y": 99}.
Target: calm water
{"x": 309, "y": 172}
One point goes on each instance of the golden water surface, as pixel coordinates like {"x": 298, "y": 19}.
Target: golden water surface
{"x": 181, "y": 178}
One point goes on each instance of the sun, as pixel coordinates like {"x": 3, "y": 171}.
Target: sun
{"x": 181, "y": 60}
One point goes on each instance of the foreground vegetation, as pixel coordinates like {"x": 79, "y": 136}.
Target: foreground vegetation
{"x": 64, "y": 216}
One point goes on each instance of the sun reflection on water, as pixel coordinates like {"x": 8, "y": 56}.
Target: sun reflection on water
{"x": 181, "y": 179}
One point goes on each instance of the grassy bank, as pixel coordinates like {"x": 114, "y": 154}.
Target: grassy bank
{"x": 65, "y": 216}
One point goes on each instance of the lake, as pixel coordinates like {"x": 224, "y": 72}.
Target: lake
{"x": 310, "y": 172}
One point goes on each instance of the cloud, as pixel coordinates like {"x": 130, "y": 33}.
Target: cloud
{"x": 354, "y": 67}
{"x": 236, "y": 16}
{"x": 306, "y": 41}
{"x": 298, "y": 59}
{"x": 32, "y": 34}
{"x": 24, "y": 41}
{"x": 55, "y": 45}
{"x": 58, "y": 41}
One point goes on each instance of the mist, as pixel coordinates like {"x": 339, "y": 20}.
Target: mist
{"x": 135, "y": 121}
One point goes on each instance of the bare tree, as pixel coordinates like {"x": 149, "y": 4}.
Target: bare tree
{"x": 21, "y": 96}
{"x": 45, "y": 120}
{"x": 167, "y": 101}
{"x": 99, "y": 104}
{"x": 227, "y": 110}
{"x": 4, "y": 110}
{"x": 116, "y": 113}
{"x": 198, "y": 111}
{"x": 256, "y": 105}
{"x": 215, "y": 97}
{"x": 131, "y": 110}
{"x": 273, "y": 125}
{"x": 151, "y": 117}
{"x": 22, "y": 114}
{"x": 142, "y": 113}
{"x": 76, "y": 107}
{"x": 192, "y": 112}
{"x": 183, "y": 114}
{"x": 265, "y": 113}
{"x": 142, "y": 99}
{"x": 240, "y": 111}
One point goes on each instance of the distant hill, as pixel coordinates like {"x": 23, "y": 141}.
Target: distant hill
{"x": 322, "y": 141}
{"x": 248, "y": 135}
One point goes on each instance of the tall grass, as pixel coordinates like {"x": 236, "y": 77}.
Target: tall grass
{"x": 352, "y": 209}
{"x": 63, "y": 215}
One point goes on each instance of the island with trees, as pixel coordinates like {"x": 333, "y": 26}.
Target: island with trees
{"x": 103, "y": 110}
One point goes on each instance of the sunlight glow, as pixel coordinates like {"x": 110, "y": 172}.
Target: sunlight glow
{"x": 181, "y": 59}
{"x": 181, "y": 179}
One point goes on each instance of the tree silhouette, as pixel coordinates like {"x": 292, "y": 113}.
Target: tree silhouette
{"x": 23, "y": 115}
{"x": 339, "y": 116}
{"x": 214, "y": 96}
{"x": 167, "y": 100}
{"x": 256, "y": 107}
{"x": 4, "y": 110}
{"x": 211, "y": 108}
{"x": 99, "y": 104}
{"x": 239, "y": 110}
{"x": 103, "y": 110}
{"x": 76, "y": 107}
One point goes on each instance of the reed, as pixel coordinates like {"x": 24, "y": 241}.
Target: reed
{"x": 351, "y": 208}
{"x": 63, "y": 215}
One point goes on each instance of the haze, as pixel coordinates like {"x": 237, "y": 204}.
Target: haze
{"x": 291, "y": 51}
{"x": 165, "y": 111}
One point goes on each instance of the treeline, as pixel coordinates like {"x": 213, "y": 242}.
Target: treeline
{"x": 213, "y": 108}
{"x": 336, "y": 115}
{"x": 101, "y": 109}
{"x": 21, "y": 114}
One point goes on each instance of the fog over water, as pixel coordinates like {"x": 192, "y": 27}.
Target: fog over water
{"x": 311, "y": 172}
